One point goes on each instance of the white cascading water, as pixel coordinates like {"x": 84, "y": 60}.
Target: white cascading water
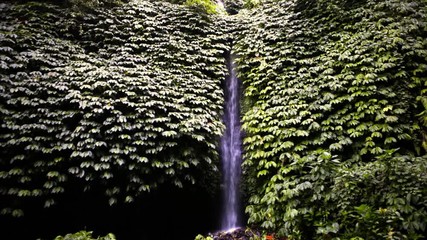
{"x": 231, "y": 151}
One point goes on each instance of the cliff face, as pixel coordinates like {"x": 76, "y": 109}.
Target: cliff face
{"x": 123, "y": 98}
{"x": 129, "y": 98}
{"x": 331, "y": 86}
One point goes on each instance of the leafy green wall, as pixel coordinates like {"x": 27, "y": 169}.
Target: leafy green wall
{"x": 333, "y": 93}
{"x": 122, "y": 99}
{"x": 127, "y": 98}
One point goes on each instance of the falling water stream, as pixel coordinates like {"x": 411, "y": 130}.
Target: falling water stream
{"x": 231, "y": 151}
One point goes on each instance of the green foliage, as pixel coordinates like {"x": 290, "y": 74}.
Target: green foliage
{"x": 80, "y": 5}
{"x": 201, "y": 237}
{"x": 252, "y": 3}
{"x": 233, "y": 6}
{"x": 329, "y": 85}
{"x": 130, "y": 97}
{"x": 121, "y": 99}
{"x": 398, "y": 208}
{"x": 205, "y": 6}
{"x": 91, "y": 4}
{"x": 84, "y": 235}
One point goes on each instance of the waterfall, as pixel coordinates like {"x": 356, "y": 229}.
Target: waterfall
{"x": 231, "y": 151}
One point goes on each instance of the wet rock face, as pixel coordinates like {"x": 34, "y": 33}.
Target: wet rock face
{"x": 243, "y": 234}
{"x": 238, "y": 234}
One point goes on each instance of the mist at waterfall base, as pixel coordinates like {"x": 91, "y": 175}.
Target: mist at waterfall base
{"x": 231, "y": 152}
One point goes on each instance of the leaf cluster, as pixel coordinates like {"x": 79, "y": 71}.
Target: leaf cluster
{"x": 84, "y": 235}
{"x": 397, "y": 210}
{"x": 203, "y": 6}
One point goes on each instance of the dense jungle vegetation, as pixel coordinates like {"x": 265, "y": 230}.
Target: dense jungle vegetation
{"x": 112, "y": 109}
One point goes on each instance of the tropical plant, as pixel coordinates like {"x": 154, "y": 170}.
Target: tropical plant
{"x": 84, "y": 235}
{"x": 398, "y": 208}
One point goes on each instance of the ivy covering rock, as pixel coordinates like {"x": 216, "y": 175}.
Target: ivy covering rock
{"x": 333, "y": 89}
{"x": 127, "y": 98}
{"x": 123, "y": 99}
